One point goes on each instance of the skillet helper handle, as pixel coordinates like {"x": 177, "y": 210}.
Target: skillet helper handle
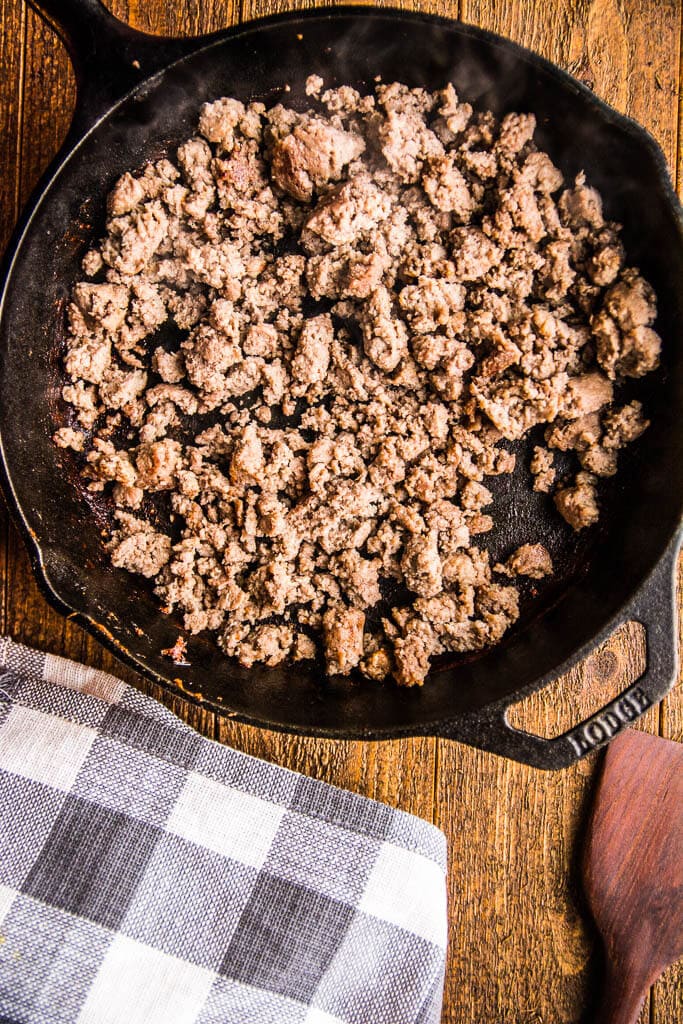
{"x": 109, "y": 57}
{"x": 655, "y": 607}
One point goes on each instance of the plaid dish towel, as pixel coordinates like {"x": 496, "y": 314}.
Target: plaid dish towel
{"x": 150, "y": 876}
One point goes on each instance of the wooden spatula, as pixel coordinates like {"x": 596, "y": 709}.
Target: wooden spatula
{"x": 633, "y": 868}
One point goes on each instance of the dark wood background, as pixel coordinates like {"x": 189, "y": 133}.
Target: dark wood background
{"x": 522, "y": 950}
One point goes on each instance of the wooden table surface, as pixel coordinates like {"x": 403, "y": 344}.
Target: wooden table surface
{"x": 522, "y": 948}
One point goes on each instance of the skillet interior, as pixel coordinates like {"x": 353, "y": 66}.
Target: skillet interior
{"x": 596, "y": 572}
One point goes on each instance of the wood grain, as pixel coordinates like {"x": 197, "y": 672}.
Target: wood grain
{"x": 181, "y": 19}
{"x": 632, "y": 867}
{"x": 259, "y": 8}
{"x": 48, "y": 94}
{"x": 609, "y": 44}
{"x": 608, "y": 670}
{"x": 12, "y": 32}
{"x": 672, "y": 708}
{"x": 522, "y": 949}
{"x": 398, "y": 772}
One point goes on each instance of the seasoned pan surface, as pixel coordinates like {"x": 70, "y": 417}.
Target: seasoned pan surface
{"x": 599, "y": 573}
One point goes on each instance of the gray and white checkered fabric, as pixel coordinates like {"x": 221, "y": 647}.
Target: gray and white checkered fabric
{"x": 150, "y": 876}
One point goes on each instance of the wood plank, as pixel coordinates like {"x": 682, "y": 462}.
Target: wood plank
{"x": 48, "y": 96}
{"x": 185, "y": 18}
{"x": 12, "y": 48}
{"x": 515, "y": 832}
{"x": 12, "y": 44}
{"x": 654, "y": 95}
{"x": 519, "y": 945}
{"x": 667, "y": 995}
{"x": 609, "y": 670}
{"x": 261, "y": 8}
{"x": 672, "y": 708}
{"x": 398, "y": 772}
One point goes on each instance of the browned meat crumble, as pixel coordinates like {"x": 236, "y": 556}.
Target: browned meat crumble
{"x": 177, "y": 653}
{"x": 399, "y": 285}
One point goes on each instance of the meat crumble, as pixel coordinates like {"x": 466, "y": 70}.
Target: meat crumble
{"x": 367, "y": 300}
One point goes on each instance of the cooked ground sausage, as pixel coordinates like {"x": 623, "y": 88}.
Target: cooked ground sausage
{"x": 367, "y": 299}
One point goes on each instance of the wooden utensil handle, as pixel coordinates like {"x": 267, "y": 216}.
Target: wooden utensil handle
{"x": 623, "y": 996}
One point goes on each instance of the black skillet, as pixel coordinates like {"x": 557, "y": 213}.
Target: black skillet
{"x": 138, "y": 97}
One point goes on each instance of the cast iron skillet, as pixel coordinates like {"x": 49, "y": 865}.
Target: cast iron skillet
{"x": 138, "y": 97}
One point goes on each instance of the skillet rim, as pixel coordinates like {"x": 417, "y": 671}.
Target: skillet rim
{"x": 77, "y": 135}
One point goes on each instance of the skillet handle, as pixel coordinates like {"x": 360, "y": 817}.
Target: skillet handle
{"x": 109, "y": 57}
{"x": 654, "y": 605}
